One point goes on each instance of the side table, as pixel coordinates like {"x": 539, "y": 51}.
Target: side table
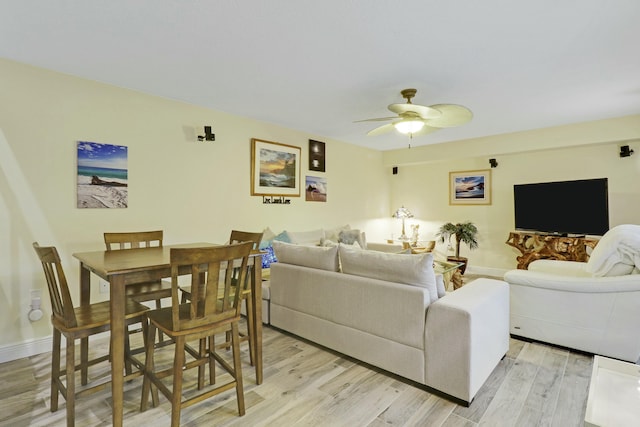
{"x": 613, "y": 393}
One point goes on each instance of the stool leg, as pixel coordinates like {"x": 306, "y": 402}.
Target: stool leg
{"x": 71, "y": 381}
{"x": 237, "y": 367}
{"x": 176, "y": 395}
{"x": 55, "y": 369}
{"x": 160, "y": 334}
{"x": 250, "y": 328}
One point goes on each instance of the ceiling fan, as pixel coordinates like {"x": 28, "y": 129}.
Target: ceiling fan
{"x": 413, "y": 119}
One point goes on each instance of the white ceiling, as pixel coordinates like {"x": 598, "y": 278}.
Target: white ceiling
{"x": 320, "y": 65}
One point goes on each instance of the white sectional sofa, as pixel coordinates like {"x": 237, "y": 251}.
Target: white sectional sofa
{"x": 385, "y": 310}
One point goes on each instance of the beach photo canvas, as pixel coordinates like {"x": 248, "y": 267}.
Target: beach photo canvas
{"x": 102, "y": 175}
{"x": 275, "y": 169}
{"x": 470, "y": 187}
{"x": 316, "y": 189}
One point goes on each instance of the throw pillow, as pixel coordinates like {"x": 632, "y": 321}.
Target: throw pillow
{"x": 267, "y": 238}
{"x": 348, "y": 237}
{"x": 415, "y": 270}
{"x": 332, "y": 233}
{"x": 282, "y": 237}
{"x": 617, "y": 252}
{"x": 268, "y": 257}
{"x": 323, "y": 258}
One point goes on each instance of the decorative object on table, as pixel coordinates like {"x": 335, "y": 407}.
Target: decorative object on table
{"x": 99, "y": 186}
{"x": 316, "y": 156}
{"x": 402, "y": 213}
{"x": 465, "y": 232}
{"x": 275, "y": 169}
{"x": 470, "y": 187}
{"x": 316, "y": 189}
{"x": 414, "y": 234}
{"x": 413, "y": 119}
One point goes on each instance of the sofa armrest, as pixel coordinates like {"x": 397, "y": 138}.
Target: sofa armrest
{"x": 536, "y": 279}
{"x": 466, "y": 335}
{"x": 565, "y": 268}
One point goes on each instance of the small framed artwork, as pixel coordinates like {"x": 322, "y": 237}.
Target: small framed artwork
{"x": 470, "y": 187}
{"x": 316, "y": 189}
{"x": 275, "y": 169}
{"x": 316, "y": 156}
{"x": 102, "y": 176}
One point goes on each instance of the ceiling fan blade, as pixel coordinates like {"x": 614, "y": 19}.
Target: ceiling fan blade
{"x": 381, "y": 129}
{"x": 452, "y": 115}
{"x": 379, "y": 119}
{"x": 425, "y": 130}
{"x": 421, "y": 110}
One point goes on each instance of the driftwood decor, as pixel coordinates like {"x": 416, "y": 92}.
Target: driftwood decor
{"x": 535, "y": 246}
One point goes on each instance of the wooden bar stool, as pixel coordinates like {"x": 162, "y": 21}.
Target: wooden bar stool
{"x": 148, "y": 291}
{"x": 238, "y": 237}
{"x": 213, "y": 307}
{"x": 77, "y": 323}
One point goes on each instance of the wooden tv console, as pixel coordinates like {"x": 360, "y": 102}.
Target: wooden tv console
{"x": 539, "y": 246}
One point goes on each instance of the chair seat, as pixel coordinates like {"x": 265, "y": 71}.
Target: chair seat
{"x": 97, "y": 315}
{"x": 162, "y": 319}
{"x": 149, "y": 291}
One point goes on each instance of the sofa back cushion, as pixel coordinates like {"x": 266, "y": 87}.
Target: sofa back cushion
{"x": 415, "y": 270}
{"x": 323, "y": 258}
{"x": 617, "y": 253}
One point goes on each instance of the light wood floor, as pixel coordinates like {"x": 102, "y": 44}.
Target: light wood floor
{"x": 533, "y": 385}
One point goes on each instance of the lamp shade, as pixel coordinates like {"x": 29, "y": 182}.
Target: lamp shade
{"x": 409, "y": 126}
{"x": 402, "y": 213}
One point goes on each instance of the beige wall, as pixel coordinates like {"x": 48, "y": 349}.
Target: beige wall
{"x": 194, "y": 191}
{"x": 199, "y": 191}
{"x": 552, "y": 154}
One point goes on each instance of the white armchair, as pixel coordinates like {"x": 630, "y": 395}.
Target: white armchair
{"x": 593, "y": 307}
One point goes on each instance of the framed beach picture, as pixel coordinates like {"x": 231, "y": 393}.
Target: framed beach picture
{"x": 275, "y": 169}
{"x": 102, "y": 176}
{"x": 315, "y": 189}
{"x": 470, "y": 187}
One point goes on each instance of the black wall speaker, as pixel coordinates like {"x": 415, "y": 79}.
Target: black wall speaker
{"x": 625, "y": 151}
{"x": 493, "y": 163}
{"x": 395, "y": 170}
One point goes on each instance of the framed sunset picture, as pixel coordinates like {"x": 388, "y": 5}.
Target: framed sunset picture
{"x": 275, "y": 169}
{"x": 470, "y": 187}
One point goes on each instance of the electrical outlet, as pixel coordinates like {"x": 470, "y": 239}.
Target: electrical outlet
{"x": 104, "y": 287}
{"x": 36, "y": 294}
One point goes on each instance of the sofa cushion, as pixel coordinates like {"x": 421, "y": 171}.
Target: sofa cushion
{"x": 617, "y": 252}
{"x": 416, "y": 270}
{"x": 306, "y": 237}
{"x": 323, "y": 258}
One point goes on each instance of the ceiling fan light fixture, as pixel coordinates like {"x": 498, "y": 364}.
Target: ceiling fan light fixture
{"x": 409, "y": 126}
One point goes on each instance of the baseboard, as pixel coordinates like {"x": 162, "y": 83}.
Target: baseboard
{"x": 25, "y": 349}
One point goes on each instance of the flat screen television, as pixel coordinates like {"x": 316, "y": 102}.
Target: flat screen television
{"x": 562, "y": 208}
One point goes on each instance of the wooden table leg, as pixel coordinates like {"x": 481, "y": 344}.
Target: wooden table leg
{"x": 85, "y": 299}
{"x": 256, "y": 295}
{"x": 117, "y": 294}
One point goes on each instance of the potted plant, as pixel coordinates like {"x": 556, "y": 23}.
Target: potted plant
{"x": 465, "y": 232}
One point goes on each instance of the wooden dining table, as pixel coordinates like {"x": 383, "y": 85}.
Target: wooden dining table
{"x": 125, "y": 267}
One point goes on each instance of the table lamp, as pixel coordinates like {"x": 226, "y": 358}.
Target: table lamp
{"x": 402, "y": 213}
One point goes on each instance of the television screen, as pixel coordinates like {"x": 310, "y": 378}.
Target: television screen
{"x": 565, "y": 207}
